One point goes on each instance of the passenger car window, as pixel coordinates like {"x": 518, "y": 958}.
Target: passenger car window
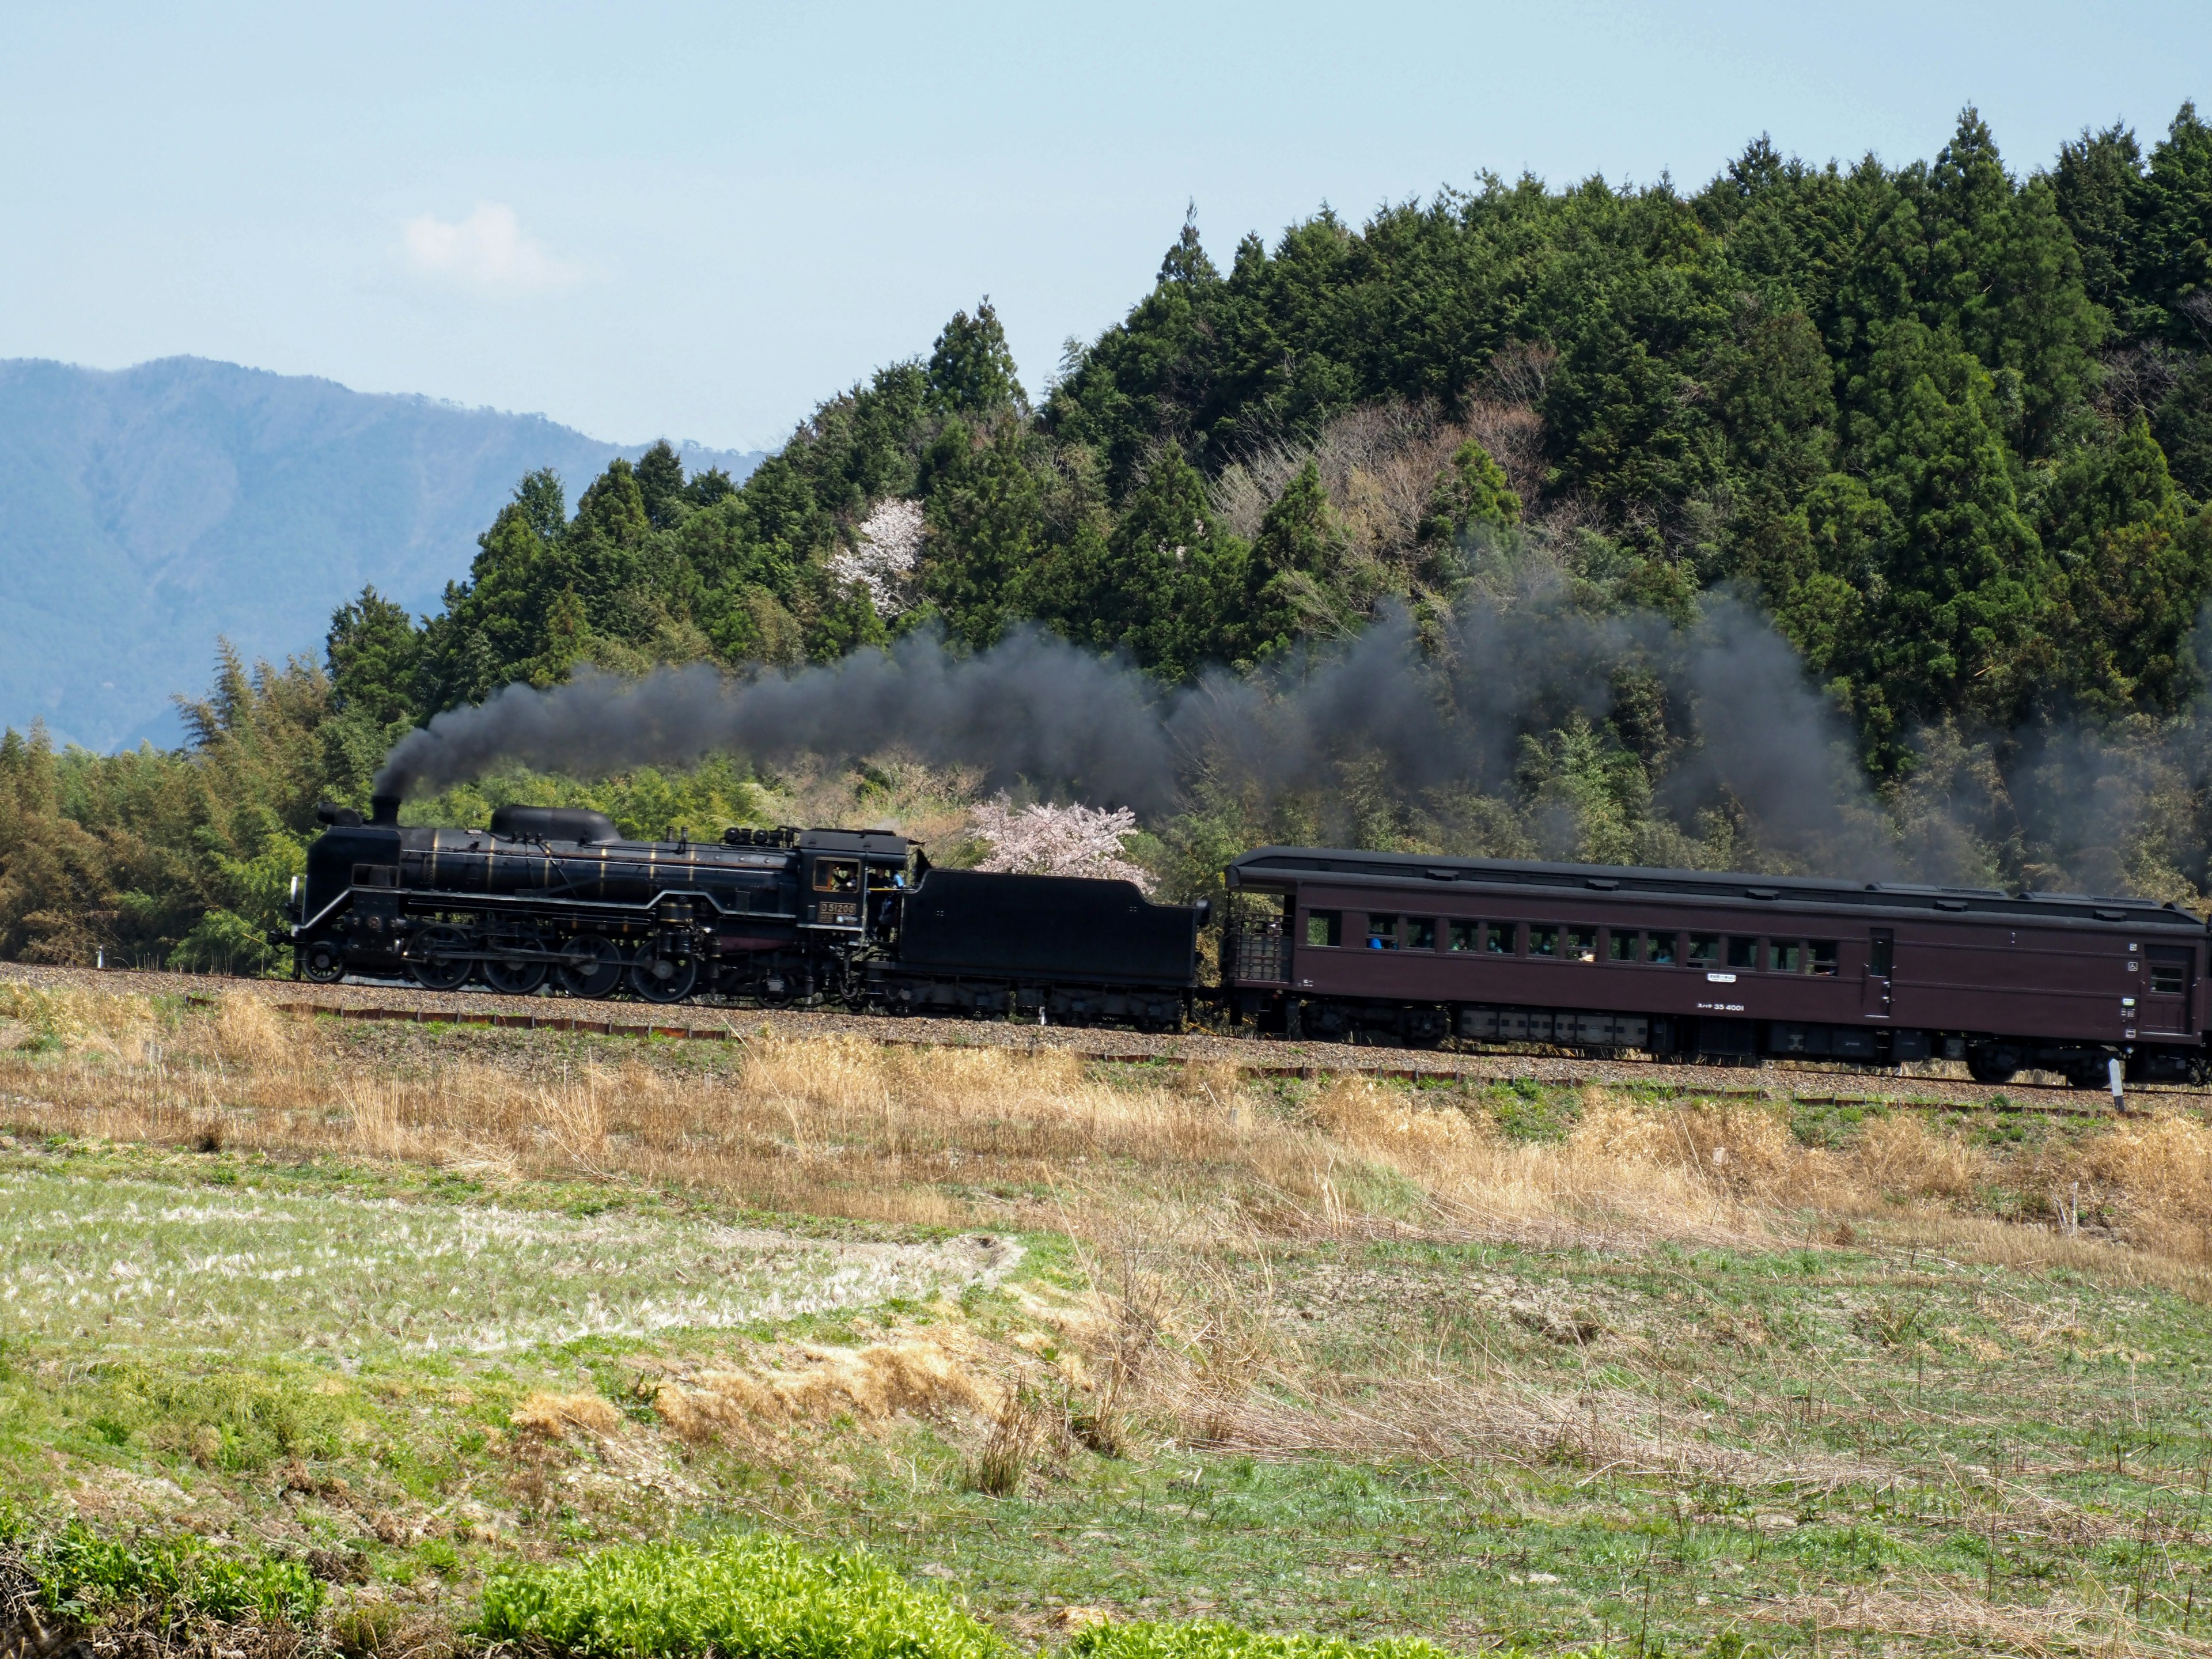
{"x": 1620, "y": 946}
{"x": 1582, "y": 944}
{"x": 1786, "y": 956}
{"x": 1743, "y": 953}
{"x": 1324, "y": 927}
{"x": 1663, "y": 949}
{"x": 1705, "y": 949}
{"x": 1543, "y": 941}
{"x": 1420, "y": 933}
{"x": 1381, "y": 933}
{"x": 1463, "y": 934}
{"x": 1498, "y": 937}
{"x": 1824, "y": 957}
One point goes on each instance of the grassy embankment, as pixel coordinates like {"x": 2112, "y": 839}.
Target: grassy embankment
{"x": 382, "y": 1314}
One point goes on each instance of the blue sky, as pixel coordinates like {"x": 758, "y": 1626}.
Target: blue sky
{"x": 697, "y": 220}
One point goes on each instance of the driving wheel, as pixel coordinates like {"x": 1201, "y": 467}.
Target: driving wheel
{"x": 664, "y": 976}
{"x": 593, "y": 966}
{"x": 437, "y": 959}
{"x": 516, "y": 975}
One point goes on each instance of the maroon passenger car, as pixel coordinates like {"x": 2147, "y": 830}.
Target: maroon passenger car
{"x": 1328, "y": 944}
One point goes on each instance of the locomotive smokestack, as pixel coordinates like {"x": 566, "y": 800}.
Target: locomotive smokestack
{"x": 384, "y": 810}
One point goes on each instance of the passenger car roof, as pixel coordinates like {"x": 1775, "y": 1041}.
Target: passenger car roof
{"x": 1266, "y": 864}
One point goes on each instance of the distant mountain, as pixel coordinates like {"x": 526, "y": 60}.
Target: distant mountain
{"x": 144, "y": 512}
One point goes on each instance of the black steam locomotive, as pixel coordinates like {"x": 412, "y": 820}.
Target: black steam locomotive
{"x": 554, "y": 895}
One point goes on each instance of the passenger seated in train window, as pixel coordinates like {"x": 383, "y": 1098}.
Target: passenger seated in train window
{"x": 1543, "y": 941}
{"x": 1705, "y": 949}
{"x": 1420, "y": 933}
{"x": 1582, "y": 944}
{"x": 1786, "y": 956}
{"x": 1324, "y": 927}
{"x": 1620, "y": 946}
{"x": 1663, "y": 949}
{"x": 1743, "y": 953}
{"x": 1824, "y": 957}
{"x": 1462, "y": 936}
{"x": 1381, "y": 933}
{"x": 1498, "y": 937}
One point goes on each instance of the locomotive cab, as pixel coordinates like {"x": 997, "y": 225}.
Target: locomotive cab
{"x": 851, "y": 882}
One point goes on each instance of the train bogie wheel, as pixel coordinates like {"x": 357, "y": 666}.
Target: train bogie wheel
{"x": 1992, "y": 1062}
{"x": 593, "y": 966}
{"x": 322, "y": 962}
{"x": 437, "y": 959}
{"x": 659, "y": 978}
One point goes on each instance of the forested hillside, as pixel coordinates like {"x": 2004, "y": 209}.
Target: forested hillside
{"x": 1948, "y": 425}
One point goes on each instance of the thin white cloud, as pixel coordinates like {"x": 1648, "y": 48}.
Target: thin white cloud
{"x": 487, "y": 251}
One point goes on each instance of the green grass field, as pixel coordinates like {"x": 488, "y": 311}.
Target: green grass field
{"x": 1934, "y": 1425}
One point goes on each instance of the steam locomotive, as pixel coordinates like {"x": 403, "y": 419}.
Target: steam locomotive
{"x": 553, "y": 896}
{"x": 1314, "y": 942}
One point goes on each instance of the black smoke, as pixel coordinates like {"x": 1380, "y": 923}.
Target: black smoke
{"x": 1034, "y": 710}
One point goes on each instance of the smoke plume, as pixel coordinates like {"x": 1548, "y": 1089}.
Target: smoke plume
{"x": 1035, "y": 711}
{"x": 1032, "y": 708}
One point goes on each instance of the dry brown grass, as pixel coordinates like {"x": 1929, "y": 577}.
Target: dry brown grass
{"x": 995, "y": 1137}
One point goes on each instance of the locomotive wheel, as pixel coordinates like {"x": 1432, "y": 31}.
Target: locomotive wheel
{"x": 322, "y": 962}
{"x": 434, "y": 960}
{"x": 664, "y": 979}
{"x": 515, "y": 976}
{"x": 594, "y": 966}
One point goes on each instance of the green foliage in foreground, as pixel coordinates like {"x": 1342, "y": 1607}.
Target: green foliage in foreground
{"x": 1211, "y": 1639}
{"x": 179, "y": 1578}
{"x": 760, "y": 1595}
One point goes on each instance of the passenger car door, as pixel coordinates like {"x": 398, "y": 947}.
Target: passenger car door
{"x": 1880, "y": 949}
{"x": 2166, "y": 993}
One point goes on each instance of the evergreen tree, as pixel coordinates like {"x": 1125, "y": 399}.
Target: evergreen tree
{"x": 971, "y": 372}
{"x": 660, "y": 484}
{"x": 984, "y": 529}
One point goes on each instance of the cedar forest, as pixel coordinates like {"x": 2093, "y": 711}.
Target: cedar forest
{"x": 1947, "y": 428}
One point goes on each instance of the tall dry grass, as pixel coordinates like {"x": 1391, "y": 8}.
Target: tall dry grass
{"x": 987, "y": 1136}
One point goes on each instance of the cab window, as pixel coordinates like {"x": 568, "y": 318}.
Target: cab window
{"x": 836, "y": 876}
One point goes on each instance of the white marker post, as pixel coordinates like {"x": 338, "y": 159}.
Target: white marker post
{"x": 2117, "y": 1073}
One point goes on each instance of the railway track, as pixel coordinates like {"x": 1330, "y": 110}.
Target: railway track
{"x": 1924, "y": 1087}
